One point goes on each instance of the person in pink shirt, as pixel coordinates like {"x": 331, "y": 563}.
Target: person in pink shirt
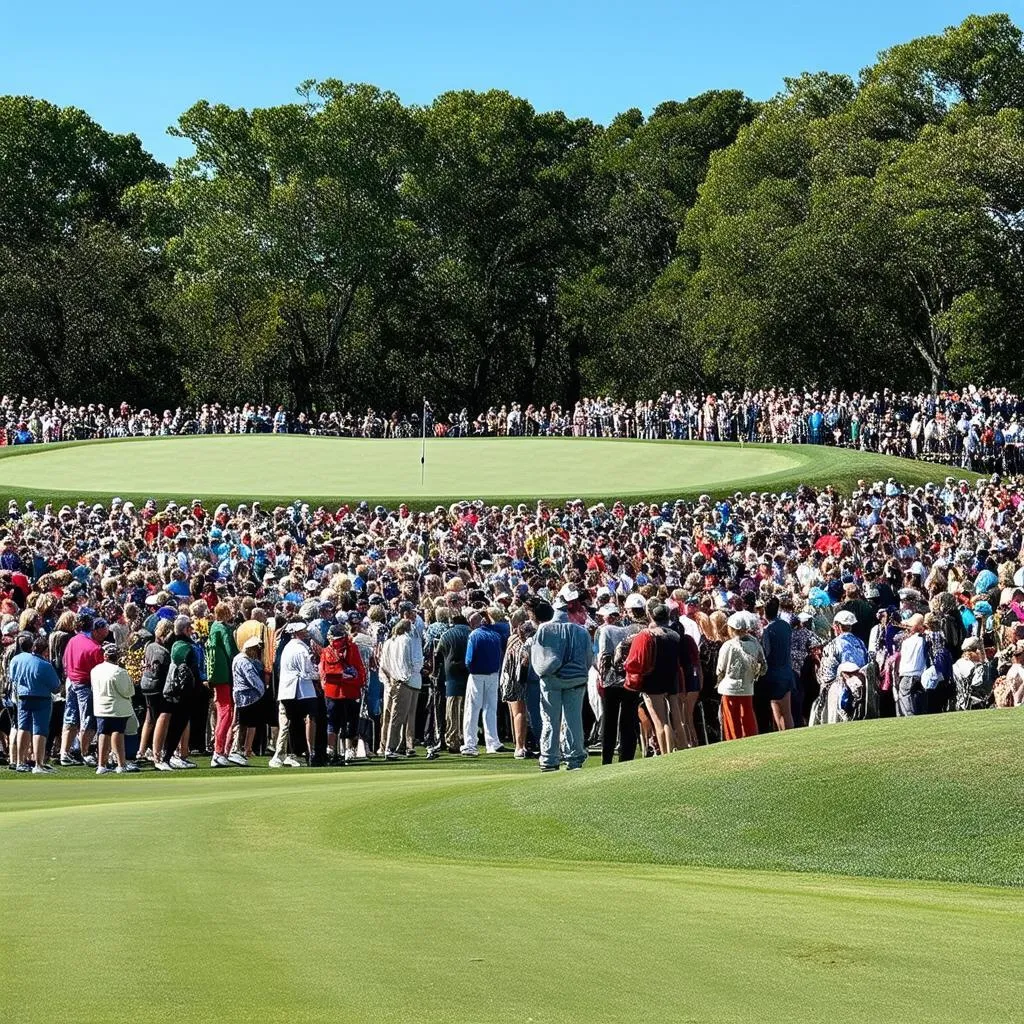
{"x": 84, "y": 651}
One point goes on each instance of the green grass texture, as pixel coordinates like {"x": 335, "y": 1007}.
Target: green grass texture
{"x": 280, "y": 468}
{"x": 861, "y": 872}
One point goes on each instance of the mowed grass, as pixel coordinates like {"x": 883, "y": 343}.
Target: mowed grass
{"x": 279, "y": 468}
{"x": 719, "y": 884}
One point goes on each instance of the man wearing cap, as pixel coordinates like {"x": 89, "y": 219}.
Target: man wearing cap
{"x": 845, "y": 646}
{"x": 81, "y": 655}
{"x": 485, "y": 649}
{"x": 561, "y": 656}
{"x": 973, "y": 676}
{"x": 248, "y": 687}
{"x": 112, "y": 691}
{"x": 620, "y": 707}
{"x": 914, "y": 658}
{"x": 297, "y": 694}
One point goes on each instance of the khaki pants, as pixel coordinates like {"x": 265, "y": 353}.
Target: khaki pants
{"x": 454, "y": 707}
{"x": 403, "y": 697}
{"x": 282, "y": 731}
{"x": 391, "y": 690}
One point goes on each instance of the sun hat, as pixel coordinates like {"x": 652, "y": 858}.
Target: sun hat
{"x": 636, "y": 603}
{"x": 608, "y": 609}
{"x": 294, "y": 628}
{"x": 253, "y": 641}
{"x": 738, "y": 621}
{"x": 845, "y": 618}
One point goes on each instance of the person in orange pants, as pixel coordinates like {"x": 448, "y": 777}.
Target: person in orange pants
{"x": 738, "y": 718}
{"x": 741, "y": 661}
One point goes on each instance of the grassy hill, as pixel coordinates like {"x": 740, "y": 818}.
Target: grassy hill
{"x": 724, "y": 884}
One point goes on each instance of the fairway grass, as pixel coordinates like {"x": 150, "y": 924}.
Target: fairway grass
{"x": 487, "y": 892}
{"x": 279, "y": 468}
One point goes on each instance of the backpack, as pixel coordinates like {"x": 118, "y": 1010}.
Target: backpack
{"x": 180, "y": 682}
{"x": 134, "y": 657}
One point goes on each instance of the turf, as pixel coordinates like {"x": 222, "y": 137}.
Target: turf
{"x": 486, "y": 892}
{"x": 278, "y": 468}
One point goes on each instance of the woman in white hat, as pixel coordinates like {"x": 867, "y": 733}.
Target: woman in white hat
{"x": 740, "y": 663}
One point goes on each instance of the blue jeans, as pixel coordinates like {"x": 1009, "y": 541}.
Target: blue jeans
{"x": 558, "y": 705}
{"x": 533, "y": 709}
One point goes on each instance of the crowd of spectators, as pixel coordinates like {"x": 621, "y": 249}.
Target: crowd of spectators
{"x": 978, "y": 428}
{"x": 140, "y": 635}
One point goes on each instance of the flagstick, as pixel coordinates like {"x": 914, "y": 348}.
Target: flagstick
{"x": 423, "y": 445}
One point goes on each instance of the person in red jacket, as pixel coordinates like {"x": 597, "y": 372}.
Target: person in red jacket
{"x": 343, "y": 676}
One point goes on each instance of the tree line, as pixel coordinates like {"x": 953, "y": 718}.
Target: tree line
{"x": 347, "y": 249}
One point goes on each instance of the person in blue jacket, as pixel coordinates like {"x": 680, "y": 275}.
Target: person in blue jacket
{"x": 34, "y": 681}
{"x": 485, "y": 650}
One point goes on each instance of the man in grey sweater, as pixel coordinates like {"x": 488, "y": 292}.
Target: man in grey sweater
{"x": 560, "y": 654}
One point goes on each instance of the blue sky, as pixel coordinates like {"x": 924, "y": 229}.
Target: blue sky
{"x": 136, "y": 66}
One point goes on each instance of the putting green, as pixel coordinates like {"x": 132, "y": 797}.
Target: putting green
{"x": 486, "y": 892}
{"x": 280, "y": 468}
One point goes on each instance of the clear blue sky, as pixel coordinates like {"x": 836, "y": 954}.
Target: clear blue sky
{"x": 136, "y": 66}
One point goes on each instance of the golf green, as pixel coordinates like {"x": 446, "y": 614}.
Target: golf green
{"x": 280, "y": 468}
{"x": 863, "y": 872}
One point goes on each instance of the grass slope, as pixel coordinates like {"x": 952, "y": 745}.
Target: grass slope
{"x": 393, "y": 895}
{"x": 323, "y": 470}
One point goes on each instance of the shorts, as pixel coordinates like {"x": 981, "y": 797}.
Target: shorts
{"x": 301, "y": 707}
{"x": 692, "y": 683}
{"x": 343, "y": 717}
{"x": 251, "y": 715}
{"x": 106, "y": 726}
{"x": 157, "y": 706}
{"x": 778, "y": 688}
{"x": 78, "y": 707}
{"x": 659, "y": 687}
{"x": 34, "y": 715}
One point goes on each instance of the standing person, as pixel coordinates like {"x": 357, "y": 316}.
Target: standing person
{"x": 180, "y": 684}
{"x": 451, "y": 651}
{"x": 561, "y": 655}
{"x": 81, "y": 655}
{"x": 740, "y": 663}
{"x": 652, "y": 668}
{"x": 401, "y": 662}
{"x": 777, "y": 641}
{"x": 484, "y": 652}
{"x": 248, "y": 685}
{"x": 156, "y": 659}
{"x": 514, "y": 677}
{"x": 620, "y": 721}
{"x": 220, "y": 653}
{"x": 112, "y": 691}
{"x": 911, "y": 697}
{"x": 34, "y": 681}
{"x": 343, "y": 676}
{"x": 297, "y": 692}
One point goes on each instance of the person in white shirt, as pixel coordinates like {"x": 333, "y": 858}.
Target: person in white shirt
{"x": 401, "y": 664}
{"x": 297, "y": 688}
{"x": 911, "y": 698}
{"x": 112, "y": 692}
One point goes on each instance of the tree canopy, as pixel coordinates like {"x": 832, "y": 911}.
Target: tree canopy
{"x": 349, "y": 249}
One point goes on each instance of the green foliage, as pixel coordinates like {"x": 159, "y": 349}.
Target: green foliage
{"x": 346, "y": 249}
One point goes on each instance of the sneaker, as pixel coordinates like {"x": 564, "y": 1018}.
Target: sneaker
{"x": 24, "y": 769}
{"x": 275, "y": 762}
{"x": 411, "y": 753}
{"x": 499, "y": 750}
{"x": 520, "y": 755}
{"x": 128, "y": 768}
{"x": 292, "y": 762}
{"x": 350, "y": 756}
{"x": 549, "y": 767}
{"x": 43, "y": 769}
{"x": 219, "y": 761}
{"x": 469, "y": 752}
{"x": 181, "y": 763}
{"x": 392, "y": 755}
{"x": 68, "y": 762}
{"x": 238, "y": 759}
{"x": 89, "y": 761}
{"x": 162, "y": 766}
{"x": 104, "y": 770}
{"x": 433, "y": 755}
